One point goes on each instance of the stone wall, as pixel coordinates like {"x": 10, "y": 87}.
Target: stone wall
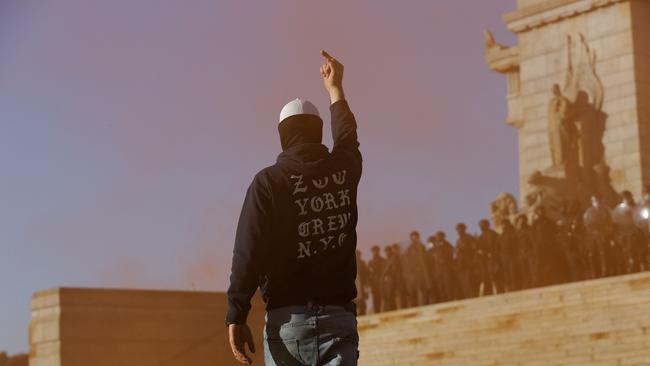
{"x": 598, "y": 322}
{"x": 102, "y": 327}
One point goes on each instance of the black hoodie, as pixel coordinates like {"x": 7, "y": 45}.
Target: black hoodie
{"x": 296, "y": 238}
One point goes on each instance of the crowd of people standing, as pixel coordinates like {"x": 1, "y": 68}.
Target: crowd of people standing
{"x": 15, "y": 360}
{"x": 580, "y": 245}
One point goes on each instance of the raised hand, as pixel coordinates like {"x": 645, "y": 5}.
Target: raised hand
{"x": 240, "y": 334}
{"x": 332, "y": 73}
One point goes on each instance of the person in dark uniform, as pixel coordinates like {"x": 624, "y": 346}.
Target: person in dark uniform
{"x": 465, "y": 262}
{"x": 602, "y": 254}
{"x": 375, "y": 274}
{"x": 509, "y": 257}
{"x": 400, "y": 286}
{"x": 488, "y": 258}
{"x": 362, "y": 285}
{"x": 644, "y": 225}
{"x": 631, "y": 239}
{"x": 571, "y": 235}
{"x": 528, "y": 255}
{"x": 416, "y": 275}
{"x": 388, "y": 279}
{"x": 430, "y": 255}
{"x": 443, "y": 258}
{"x": 296, "y": 238}
{"x": 552, "y": 264}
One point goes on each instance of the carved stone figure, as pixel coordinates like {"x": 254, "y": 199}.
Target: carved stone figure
{"x": 581, "y": 71}
{"x": 585, "y": 91}
{"x": 576, "y": 126}
{"x": 562, "y": 132}
{"x": 549, "y": 193}
{"x": 503, "y": 208}
{"x": 490, "y": 42}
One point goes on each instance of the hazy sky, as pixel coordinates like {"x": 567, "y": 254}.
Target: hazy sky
{"x": 130, "y": 129}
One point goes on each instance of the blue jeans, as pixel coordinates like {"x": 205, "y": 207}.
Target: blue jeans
{"x": 311, "y": 336}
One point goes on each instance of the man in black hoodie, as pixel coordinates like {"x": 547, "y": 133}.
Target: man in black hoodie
{"x": 296, "y": 239}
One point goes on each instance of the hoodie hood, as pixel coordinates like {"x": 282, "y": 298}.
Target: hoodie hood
{"x": 307, "y": 157}
{"x": 300, "y": 129}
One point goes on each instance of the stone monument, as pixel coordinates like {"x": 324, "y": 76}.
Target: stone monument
{"x": 579, "y": 95}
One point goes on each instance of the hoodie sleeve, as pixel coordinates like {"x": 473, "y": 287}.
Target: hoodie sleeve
{"x": 250, "y": 242}
{"x": 344, "y": 132}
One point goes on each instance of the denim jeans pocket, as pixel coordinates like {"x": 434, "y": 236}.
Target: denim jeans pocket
{"x": 343, "y": 327}
{"x": 292, "y": 351}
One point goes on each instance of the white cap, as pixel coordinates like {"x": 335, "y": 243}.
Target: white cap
{"x": 298, "y": 106}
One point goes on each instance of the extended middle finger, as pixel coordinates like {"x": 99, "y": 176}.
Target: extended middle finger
{"x": 326, "y": 54}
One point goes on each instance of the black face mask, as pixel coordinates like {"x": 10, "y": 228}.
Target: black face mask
{"x": 300, "y": 129}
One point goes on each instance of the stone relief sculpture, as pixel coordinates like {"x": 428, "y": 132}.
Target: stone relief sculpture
{"x": 503, "y": 208}
{"x": 581, "y": 71}
{"x": 576, "y": 125}
{"x": 561, "y": 130}
{"x": 585, "y": 90}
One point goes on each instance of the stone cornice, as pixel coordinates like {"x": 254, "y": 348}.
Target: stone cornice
{"x": 550, "y": 11}
{"x": 503, "y": 60}
{"x": 515, "y": 122}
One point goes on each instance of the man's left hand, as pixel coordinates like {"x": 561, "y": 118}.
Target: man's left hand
{"x": 240, "y": 334}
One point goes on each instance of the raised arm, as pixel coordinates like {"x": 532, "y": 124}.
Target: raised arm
{"x": 332, "y": 73}
{"x": 344, "y": 125}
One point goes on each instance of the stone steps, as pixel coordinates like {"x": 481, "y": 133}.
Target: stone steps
{"x": 598, "y": 322}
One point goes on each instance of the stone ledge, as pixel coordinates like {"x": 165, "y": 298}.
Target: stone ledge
{"x": 550, "y": 11}
{"x": 503, "y": 60}
{"x": 79, "y": 296}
